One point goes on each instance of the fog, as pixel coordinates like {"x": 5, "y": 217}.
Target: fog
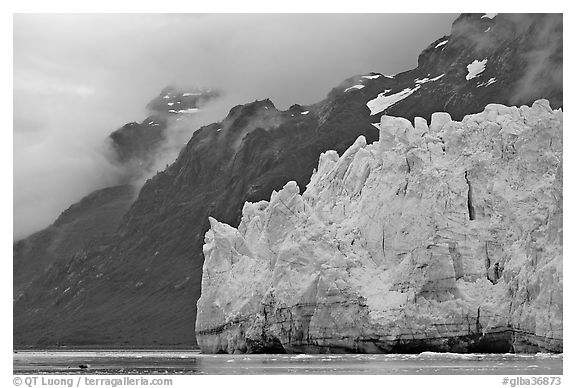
{"x": 79, "y": 77}
{"x": 542, "y": 56}
{"x": 544, "y": 68}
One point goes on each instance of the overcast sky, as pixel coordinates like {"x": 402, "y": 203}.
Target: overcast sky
{"x": 79, "y": 77}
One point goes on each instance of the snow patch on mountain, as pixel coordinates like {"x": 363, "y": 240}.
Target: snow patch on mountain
{"x": 353, "y": 87}
{"x": 383, "y": 102}
{"x": 189, "y": 110}
{"x": 475, "y": 68}
{"x": 487, "y": 83}
{"x": 371, "y": 76}
{"x": 441, "y": 43}
{"x": 426, "y": 79}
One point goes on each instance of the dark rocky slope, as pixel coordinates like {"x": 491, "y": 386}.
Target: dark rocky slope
{"x": 140, "y": 286}
{"x": 81, "y": 225}
{"x": 88, "y": 224}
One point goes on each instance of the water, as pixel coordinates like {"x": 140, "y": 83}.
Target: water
{"x": 192, "y": 362}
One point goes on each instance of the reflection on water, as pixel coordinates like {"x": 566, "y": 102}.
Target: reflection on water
{"x": 192, "y": 362}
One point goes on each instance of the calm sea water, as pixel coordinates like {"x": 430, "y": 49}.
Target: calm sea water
{"x": 192, "y": 362}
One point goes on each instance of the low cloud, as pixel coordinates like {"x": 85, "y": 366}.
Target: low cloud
{"x": 544, "y": 61}
{"x": 79, "y": 77}
{"x": 542, "y": 70}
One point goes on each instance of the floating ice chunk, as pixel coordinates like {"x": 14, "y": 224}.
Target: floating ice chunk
{"x": 441, "y": 43}
{"x": 475, "y": 68}
{"x": 150, "y": 122}
{"x": 305, "y": 113}
{"x": 166, "y": 96}
{"x": 371, "y": 76}
{"x": 170, "y": 103}
{"x": 354, "y": 87}
{"x": 190, "y": 94}
{"x": 489, "y": 15}
{"x": 383, "y": 102}
{"x": 488, "y": 29}
{"x": 219, "y": 129}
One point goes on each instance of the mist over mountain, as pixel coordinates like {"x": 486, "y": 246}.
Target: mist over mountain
{"x": 75, "y": 82}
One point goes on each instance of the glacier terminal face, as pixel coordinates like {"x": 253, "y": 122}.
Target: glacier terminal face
{"x": 440, "y": 237}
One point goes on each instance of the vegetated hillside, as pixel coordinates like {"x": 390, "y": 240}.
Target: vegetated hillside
{"x": 141, "y": 288}
{"x": 88, "y": 224}
{"x": 96, "y": 216}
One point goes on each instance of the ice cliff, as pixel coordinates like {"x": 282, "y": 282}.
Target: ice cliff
{"x": 445, "y": 237}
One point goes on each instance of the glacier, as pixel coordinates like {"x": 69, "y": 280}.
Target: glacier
{"x": 444, "y": 237}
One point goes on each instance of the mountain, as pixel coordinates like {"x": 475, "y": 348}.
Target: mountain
{"x": 446, "y": 239}
{"x": 140, "y": 285}
{"x": 85, "y": 223}
{"x": 137, "y": 144}
{"x": 91, "y": 221}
